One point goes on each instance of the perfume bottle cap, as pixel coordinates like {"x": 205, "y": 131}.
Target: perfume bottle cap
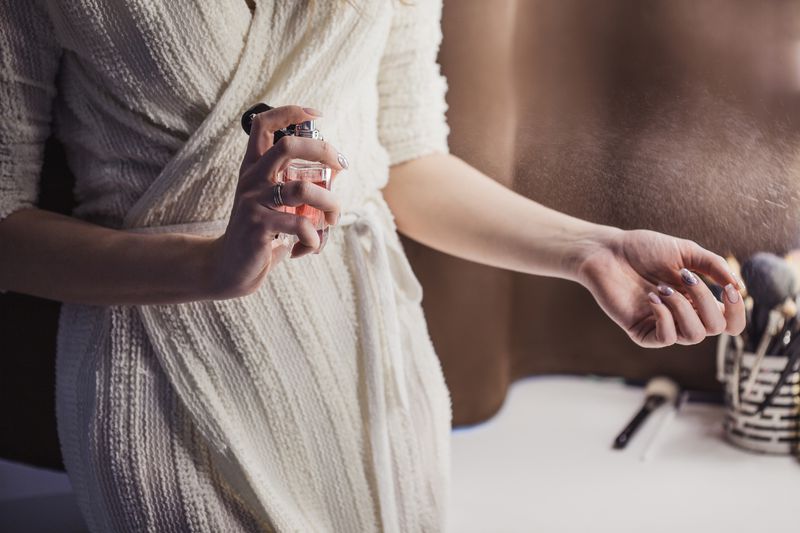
{"x": 249, "y": 115}
{"x": 304, "y": 129}
{"x": 307, "y": 129}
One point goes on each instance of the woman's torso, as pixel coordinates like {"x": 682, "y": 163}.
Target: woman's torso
{"x": 138, "y": 80}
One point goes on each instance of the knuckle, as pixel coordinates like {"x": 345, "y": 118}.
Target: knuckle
{"x": 666, "y": 339}
{"x": 695, "y": 337}
{"x": 327, "y": 149}
{"x": 258, "y": 122}
{"x": 715, "y": 326}
{"x": 251, "y": 214}
{"x": 304, "y": 226}
{"x": 286, "y": 145}
{"x": 302, "y": 189}
{"x": 691, "y": 247}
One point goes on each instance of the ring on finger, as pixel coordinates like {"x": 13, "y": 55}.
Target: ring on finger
{"x": 277, "y": 198}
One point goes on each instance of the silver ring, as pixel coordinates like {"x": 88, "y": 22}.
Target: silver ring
{"x": 277, "y": 199}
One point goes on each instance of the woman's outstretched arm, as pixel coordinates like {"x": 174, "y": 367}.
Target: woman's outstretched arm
{"x": 445, "y": 203}
{"x": 642, "y": 279}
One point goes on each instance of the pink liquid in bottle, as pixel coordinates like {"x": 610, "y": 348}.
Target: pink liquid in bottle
{"x": 318, "y": 174}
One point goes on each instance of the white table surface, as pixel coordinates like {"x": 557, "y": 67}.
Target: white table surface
{"x": 545, "y": 464}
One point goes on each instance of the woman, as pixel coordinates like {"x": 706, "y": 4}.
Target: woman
{"x": 207, "y": 382}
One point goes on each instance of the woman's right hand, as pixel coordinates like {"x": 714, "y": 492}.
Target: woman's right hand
{"x": 249, "y": 249}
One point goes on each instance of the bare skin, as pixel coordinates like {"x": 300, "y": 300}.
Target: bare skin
{"x": 438, "y": 200}
{"x": 446, "y": 204}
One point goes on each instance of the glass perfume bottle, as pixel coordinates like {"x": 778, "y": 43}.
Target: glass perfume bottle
{"x": 315, "y": 172}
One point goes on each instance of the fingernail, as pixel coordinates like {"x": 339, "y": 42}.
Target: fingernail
{"x": 654, "y": 297}
{"x": 688, "y": 277}
{"x": 323, "y": 238}
{"x": 732, "y": 293}
{"x": 338, "y": 217}
{"x": 665, "y": 290}
{"x": 342, "y": 161}
{"x": 313, "y": 112}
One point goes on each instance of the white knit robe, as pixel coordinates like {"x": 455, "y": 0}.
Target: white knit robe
{"x": 315, "y": 404}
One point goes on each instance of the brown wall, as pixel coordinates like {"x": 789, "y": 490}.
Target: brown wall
{"x": 673, "y": 115}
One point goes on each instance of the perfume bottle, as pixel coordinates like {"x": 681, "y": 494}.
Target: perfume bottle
{"x": 298, "y": 169}
{"x": 317, "y": 173}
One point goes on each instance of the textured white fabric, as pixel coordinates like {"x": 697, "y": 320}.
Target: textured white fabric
{"x": 315, "y": 404}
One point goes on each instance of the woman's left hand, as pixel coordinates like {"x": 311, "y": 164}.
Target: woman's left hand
{"x": 647, "y": 283}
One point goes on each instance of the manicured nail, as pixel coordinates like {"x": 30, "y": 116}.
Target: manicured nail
{"x": 666, "y": 290}
{"x": 740, "y": 284}
{"x": 732, "y": 293}
{"x": 313, "y": 112}
{"x": 688, "y": 277}
{"x": 654, "y": 297}
{"x": 342, "y": 161}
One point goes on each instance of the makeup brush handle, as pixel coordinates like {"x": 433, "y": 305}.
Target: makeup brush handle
{"x": 773, "y": 325}
{"x": 650, "y": 405}
{"x": 792, "y": 365}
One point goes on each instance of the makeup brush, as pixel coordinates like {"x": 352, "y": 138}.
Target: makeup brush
{"x": 658, "y": 391}
{"x": 793, "y": 260}
{"x": 736, "y": 372}
{"x": 787, "y": 333}
{"x": 792, "y": 366}
{"x": 775, "y": 321}
{"x": 723, "y": 343}
{"x": 770, "y": 281}
{"x": 674, "y": 408}
{"x": 748, "y": 317}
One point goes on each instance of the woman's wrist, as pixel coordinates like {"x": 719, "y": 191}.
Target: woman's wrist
{"x": 173, "y": 268}
{"x": 583, "y": 244}
{"x": 202, "y": 254}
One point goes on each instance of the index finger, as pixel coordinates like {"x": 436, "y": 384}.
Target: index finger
{"x": 265, "y": 124}
{"x": 713, "y": 265}
{"x": 734, "y": 310}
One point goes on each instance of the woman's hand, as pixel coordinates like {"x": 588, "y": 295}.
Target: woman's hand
{"x": 249, "y": 249}
{"x": 645, "y": 282}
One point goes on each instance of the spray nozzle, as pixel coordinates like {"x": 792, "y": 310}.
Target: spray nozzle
{"x": 304, "y": 129}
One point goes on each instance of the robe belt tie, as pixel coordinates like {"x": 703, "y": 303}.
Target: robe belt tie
{"x": 381, "y": 269}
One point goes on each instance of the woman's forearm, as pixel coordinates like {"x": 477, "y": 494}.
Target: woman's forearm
{"x": 446, "y": 204}
{"x": 62, "y": 258}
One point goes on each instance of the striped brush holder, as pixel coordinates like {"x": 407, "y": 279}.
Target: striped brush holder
{"x": 759, "y": 417}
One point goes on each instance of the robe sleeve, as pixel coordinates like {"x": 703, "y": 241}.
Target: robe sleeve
{"x": 29, "y": 57}
{"x": 411, "y": 88}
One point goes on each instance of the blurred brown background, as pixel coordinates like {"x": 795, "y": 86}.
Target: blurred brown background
{"x": 673, "y": 115}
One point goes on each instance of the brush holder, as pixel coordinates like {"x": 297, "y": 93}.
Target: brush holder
{"x": 776, "y": 428}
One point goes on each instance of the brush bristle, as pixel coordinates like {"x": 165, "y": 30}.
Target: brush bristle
{"x": 662, "y": 386}
{"x": 769, "y": 278}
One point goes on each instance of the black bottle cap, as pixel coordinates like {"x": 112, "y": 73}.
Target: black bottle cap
{"x": 247, "y": 116}
{"x": 247, "y": 122}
